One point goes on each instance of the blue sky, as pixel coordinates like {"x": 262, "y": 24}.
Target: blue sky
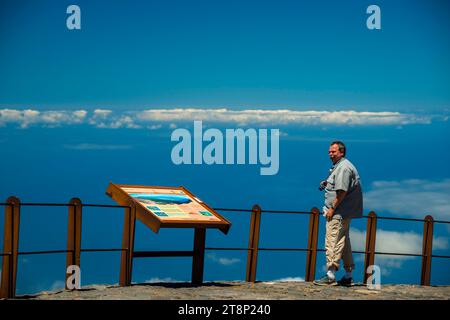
{"x": 84, "y": 107}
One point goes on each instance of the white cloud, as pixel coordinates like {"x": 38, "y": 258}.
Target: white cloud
{"x": 154, "y": 127}
{"x": 281, "y": 116}
{"x": 113, "y": 122}
{"x": 223, "y": 261}
{"x": 79, "y": 115}
{"x": 290, "y": 279}
{"x": 100, "y": 117}
{"x": 102, "y": 113}
{"x": 413, "y": 197}
{"x": 394, "y": 242}
{"x": 25, "y": 118}
{"x": 228, "y": 262}
{"x": 159, "y": 280}
{"x": 105, "y": 118}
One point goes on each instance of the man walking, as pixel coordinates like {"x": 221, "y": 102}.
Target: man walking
{"x": 343, "y": 201}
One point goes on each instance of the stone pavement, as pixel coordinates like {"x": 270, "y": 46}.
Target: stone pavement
{"x": 246, "y": 291}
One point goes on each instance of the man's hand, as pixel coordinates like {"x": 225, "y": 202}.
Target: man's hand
{"x": 330, "y": 214}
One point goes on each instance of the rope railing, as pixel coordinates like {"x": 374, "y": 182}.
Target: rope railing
{"x": 43, "y": 252}
{"x": 104, "y": 250}
{"x": 10, "y": 245}
{"x": 369, "y": 252}
{"x": 44, "y": 204}
{"x": 11, "y": 240}
{"x": 217, "y": 209}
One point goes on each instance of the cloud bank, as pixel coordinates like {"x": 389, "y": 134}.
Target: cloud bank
{"x": 161, "y": 280}
{"x": 290, "y": 279}
{"x": 394, "y": 242}
{"x": 26, "y": 118}
{"x": 412, "y": 197}
{"x": 154, "y": 118}
{"x": 222, "y": 260}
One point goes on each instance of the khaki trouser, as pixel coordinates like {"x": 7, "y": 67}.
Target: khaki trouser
{"x": 337, "y": 244}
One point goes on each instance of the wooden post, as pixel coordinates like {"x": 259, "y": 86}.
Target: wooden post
{"x": 252, "y": 256}
{"x": 427, "y": 250}
{"x": 10, "y": 247}
{"x": 126, "y": 259}
{"x": 199, "y": 256}
{"x": 311, "y": 254}
{"x": 371, "y": 235}
{"x": 73, "y": 256}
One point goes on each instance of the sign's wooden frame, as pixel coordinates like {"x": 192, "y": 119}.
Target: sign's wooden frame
{"x": 137, "y": 211}
{"x": 152, "y": 221}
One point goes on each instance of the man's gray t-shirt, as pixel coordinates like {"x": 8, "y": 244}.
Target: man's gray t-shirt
{"x": 344, "y": 176}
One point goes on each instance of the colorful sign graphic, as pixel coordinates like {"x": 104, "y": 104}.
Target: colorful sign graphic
{"x": 171, "y": 204}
